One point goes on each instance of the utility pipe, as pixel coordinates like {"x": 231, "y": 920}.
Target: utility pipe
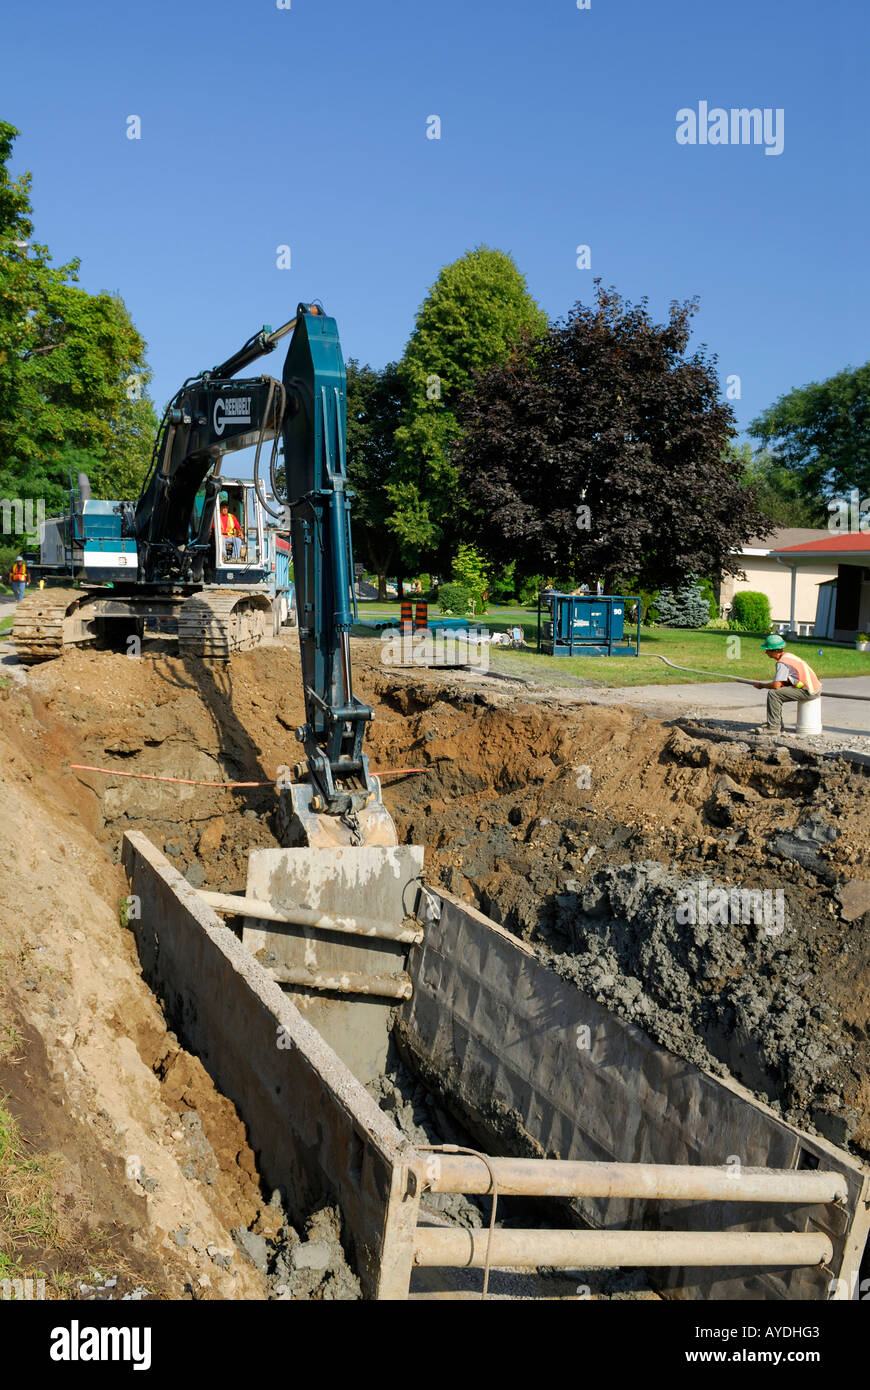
{"x": 453, "y": 1247}
{"x": 744, "y": 680}
{"x": 343, "y": 981}
{"x": 521, "y": 1177}
{"x": 305, "y": 917}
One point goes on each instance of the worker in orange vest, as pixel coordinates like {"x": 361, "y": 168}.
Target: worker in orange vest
{"x": 231, "y": 529}
{"x": 18, "y": 578}
{"x": 793, "y": 679}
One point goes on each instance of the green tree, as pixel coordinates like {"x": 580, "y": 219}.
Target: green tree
{"x": 820, "y": 434}
{"x": 478, "y": 306}
{"x": 374, "y": 404}
{"x": 471, "y": 570}
{"x": 73, "y": 375}
{"x": 777, "y": 489}
{"x": 600, "y": 450}
{"x": 685, "y": 606}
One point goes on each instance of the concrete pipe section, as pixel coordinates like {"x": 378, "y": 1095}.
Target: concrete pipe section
{"x": 615, "y": 1249}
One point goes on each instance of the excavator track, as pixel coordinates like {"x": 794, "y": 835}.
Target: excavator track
{"x": 216, "y": 625}
{"x": 38, "y": 627}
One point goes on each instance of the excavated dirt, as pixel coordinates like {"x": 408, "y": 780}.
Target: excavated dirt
{"x": 582, "y": 829}
{"x": 152, "y": 1183}
{"x": 596, "y": 834}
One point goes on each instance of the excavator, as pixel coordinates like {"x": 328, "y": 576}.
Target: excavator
{"x": 168, "y": 538}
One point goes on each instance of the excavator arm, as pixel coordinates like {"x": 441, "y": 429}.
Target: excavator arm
{"x": 318, "y": 505}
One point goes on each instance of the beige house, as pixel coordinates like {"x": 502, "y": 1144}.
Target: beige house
{"x": 770, "y": 574}
{"x": 844, "y": 602}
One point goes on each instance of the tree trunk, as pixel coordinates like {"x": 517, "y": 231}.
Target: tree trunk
{"x": 382, "y": 587}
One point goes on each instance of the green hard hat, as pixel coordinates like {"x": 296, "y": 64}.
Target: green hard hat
{"x": 773, "y": 643}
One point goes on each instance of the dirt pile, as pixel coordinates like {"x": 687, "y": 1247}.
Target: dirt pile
{"x": 727, "y": 994}
{"x": 314, "y": 1266}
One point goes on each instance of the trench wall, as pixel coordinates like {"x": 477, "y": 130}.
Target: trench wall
{"x": 535, "y": 1068}
{"x": 316, "y": 1132}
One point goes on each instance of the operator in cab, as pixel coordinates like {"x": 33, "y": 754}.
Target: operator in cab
{"x": 793, "y": 679}
{"x": 231, "y": 532}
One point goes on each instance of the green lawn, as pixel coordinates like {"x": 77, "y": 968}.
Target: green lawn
{"x": 708, "y": 650}
{"x": 732, "y": 654}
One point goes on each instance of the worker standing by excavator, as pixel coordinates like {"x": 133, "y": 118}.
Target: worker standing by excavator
{"x": 793, "y": 679}
{"x": 18, "y": 577}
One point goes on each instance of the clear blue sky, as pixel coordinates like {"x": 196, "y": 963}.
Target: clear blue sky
{"x": 307, "y": 127}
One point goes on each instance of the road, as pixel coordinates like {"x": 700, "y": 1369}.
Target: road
{"x": 741, "y": 704}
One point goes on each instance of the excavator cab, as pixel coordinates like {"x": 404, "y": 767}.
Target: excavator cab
{"x": 238, "y": 544}
{"x": 238, "y": 535}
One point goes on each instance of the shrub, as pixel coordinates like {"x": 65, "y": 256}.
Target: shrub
{"x": 709, "y": 595}
{"x": 530, "y": 588}
{"x": 648, "y": 610}
{"x": 471, "y": 570}
{"x": 751, "y": 611}
{"x": 649, "y": 598}
{"x": 683, "y": 607}
{"x": 454, "y": 598}
{"x": 503, "y": 586}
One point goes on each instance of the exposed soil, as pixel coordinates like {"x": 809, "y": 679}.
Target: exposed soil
{"x": 580, "y": 828}
{"x": 153, "y": 1177}
{"x": 591, "y": 834}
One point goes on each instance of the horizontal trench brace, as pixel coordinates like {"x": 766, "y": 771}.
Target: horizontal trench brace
{"x": 343, "y": 981}
{"x": 305, "y": 917}
{"x": 453, "y": 1247}
{"x": 688, "y": 1182}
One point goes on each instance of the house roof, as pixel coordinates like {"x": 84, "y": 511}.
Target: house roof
{"x": 836, "y": 545}
{"x": 782, "y": 537}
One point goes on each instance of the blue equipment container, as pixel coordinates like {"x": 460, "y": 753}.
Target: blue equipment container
{"x": 586, "y": 624}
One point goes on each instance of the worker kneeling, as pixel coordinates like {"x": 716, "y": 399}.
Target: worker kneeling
{"x": 793, "y": 679}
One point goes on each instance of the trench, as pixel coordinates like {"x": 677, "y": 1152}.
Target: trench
{"x": 591, "y": 875}
{"x": 486, "y": 1049}
{"x": 574, "y": 833}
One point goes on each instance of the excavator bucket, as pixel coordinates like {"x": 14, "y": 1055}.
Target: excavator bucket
{"x": 301, "y": 823}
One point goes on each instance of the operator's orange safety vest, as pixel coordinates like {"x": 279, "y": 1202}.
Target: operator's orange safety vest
{"x": 19, "y": 573}
{"x": 804, "y": 675}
